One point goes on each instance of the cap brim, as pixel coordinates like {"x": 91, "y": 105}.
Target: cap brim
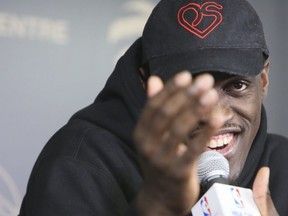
{"x": 243, "y": 62}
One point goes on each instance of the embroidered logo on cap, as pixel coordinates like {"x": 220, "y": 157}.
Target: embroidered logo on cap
{"x": 200, "y": 20}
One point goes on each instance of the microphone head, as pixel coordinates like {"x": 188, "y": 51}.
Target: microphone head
{"x": 211, "y": 165}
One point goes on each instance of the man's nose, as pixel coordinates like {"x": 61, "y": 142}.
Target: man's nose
{"x": 222, "y": 108}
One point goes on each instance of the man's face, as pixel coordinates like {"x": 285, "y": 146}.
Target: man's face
{"x": 240, "y": 100}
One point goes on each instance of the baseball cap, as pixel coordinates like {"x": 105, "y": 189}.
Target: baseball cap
{"x": 204, "y": 35}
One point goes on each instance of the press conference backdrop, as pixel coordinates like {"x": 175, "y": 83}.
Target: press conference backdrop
{"x": 55, "y": 56}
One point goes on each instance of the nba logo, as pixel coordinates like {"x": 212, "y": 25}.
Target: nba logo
{"x": 237, "y": 197}
{"x": 205, "y": 207}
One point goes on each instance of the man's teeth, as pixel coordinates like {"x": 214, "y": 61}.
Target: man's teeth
{"x": 220, "y": 140}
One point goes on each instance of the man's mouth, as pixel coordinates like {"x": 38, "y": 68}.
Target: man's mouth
{"x": 220, "y": 141}
{"x": 223, "y": 143}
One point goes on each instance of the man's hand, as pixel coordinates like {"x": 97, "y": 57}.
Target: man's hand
{"x": 169, "y": 161}
{"x": 261, "y": 193}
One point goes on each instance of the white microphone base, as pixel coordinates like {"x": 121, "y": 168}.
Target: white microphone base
{"x": 226, "y": 200}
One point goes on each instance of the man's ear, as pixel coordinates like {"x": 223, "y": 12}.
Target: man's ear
{"x": 265, "y": 78}
{"x": 142, "y": 77}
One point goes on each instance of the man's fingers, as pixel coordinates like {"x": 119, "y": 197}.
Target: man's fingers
{"x": 260, "y": 186}
{"x": 172, "y": 112}
{"x": 261, "y": 193}
{"x": 182, "y": 111}
{"x": 154, "y": 86}
{"x": 158, "y": 94}
{"x": 153, "y": 118}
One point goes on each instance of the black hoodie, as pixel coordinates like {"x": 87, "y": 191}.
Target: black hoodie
{"x": 90, "y": 167}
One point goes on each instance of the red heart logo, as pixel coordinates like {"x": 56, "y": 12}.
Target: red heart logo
{"x": 192, "y": 15}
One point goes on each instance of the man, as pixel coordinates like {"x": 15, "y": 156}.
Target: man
{"x": 204, "y": 66}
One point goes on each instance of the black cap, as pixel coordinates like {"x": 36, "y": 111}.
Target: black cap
{"x": 198, "y": 35}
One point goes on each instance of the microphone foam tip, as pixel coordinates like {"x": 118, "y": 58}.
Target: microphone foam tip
{"x": 212, "y": 163}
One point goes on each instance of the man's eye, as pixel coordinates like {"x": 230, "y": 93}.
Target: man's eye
{"x": 236, "y": 86}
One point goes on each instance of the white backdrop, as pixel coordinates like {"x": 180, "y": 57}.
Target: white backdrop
{"x": 55, "y": 56}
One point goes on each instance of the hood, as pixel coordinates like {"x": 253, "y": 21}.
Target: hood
{"x": 120, "y": 102}
{"x": 253, "y": 160}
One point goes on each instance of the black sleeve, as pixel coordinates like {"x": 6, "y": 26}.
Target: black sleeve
{"x": 65, "y": 186}
{"x": 132, "y": 210}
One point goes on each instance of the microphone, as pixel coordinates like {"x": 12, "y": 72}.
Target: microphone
{"x": 212, "y": 167}
{"x": 220, "y": 198}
